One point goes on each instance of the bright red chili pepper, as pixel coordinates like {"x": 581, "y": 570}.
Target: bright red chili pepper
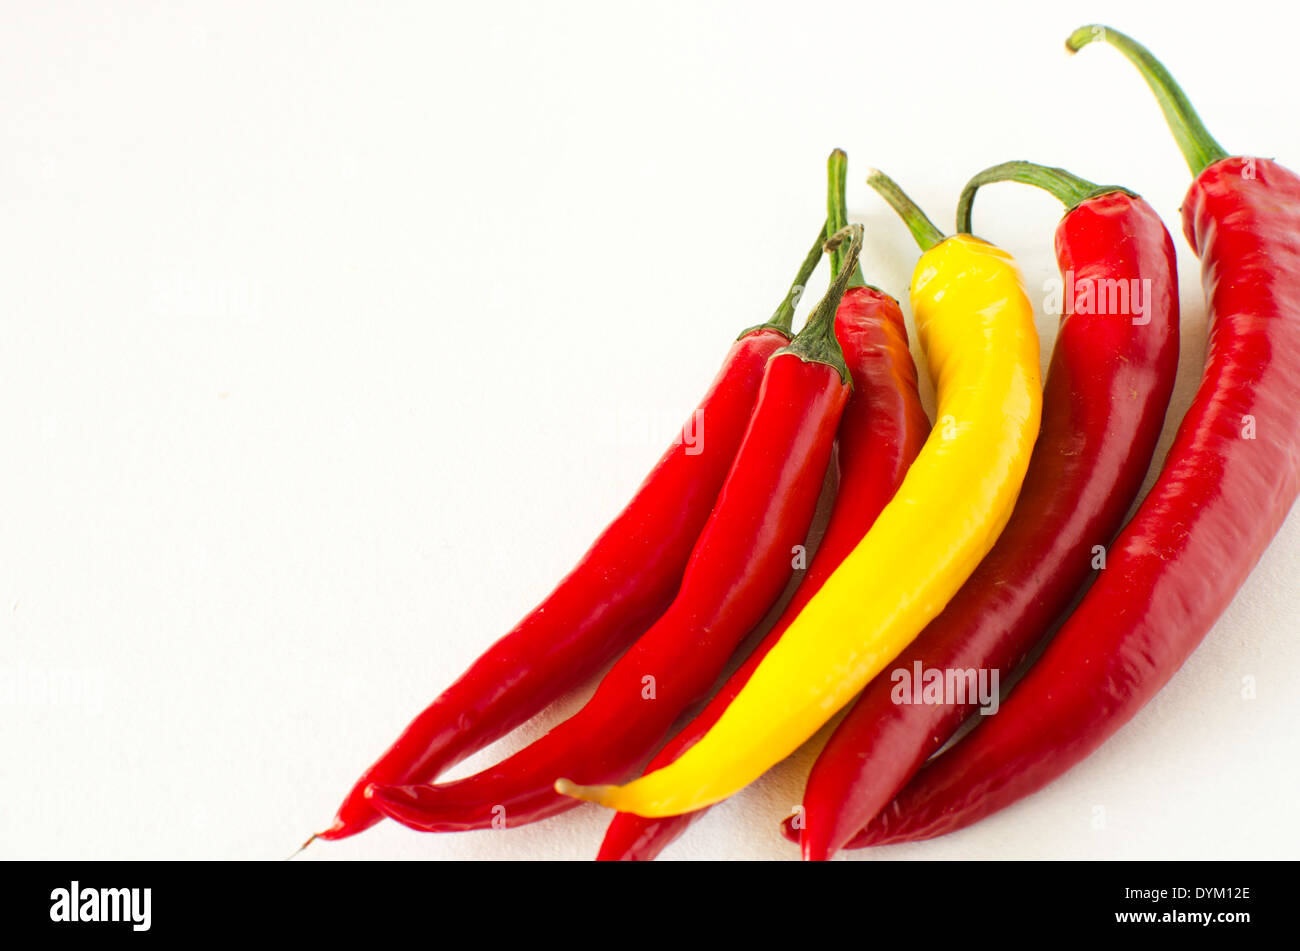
{"x": 1104, "y": 402}
{"x": 882, "y": 430}
{"x": 622, "y": 584}
{"x": 1225, "y": 488}
{"x": 739, "y": 567}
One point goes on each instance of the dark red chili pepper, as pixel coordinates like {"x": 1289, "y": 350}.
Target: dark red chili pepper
{"x": 1104, "y": 401}
{"x": 882, "y": 430}
{"x": 622, "y": 584}
{"x": 1229, "y": 479}
{"x": 739, "y": 567}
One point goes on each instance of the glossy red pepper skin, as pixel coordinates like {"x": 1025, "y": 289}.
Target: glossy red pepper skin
{"x": 739, "y": 567}
{"x": 622, "y": 584}
{"x": 883, "y": 428}
{"x": 1104, "y": 401}
{"x": 1219, "y": 499}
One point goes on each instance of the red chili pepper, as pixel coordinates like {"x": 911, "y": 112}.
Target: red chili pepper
{"x": 882, "y": 430}
{"x": 622, "y": 584}
{"x": 1104, "y": 403}
{"x": 739, "y": 567}
{"x": 1225, "y": 488}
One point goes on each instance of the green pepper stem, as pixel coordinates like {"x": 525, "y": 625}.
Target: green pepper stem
{"x": 1195, "y": 142}
{"x": 782, "y": 318}
{"x": 1069, "y": 189}
{"x": 837, "y": 215}
{"x": 925, "y": 232}
{"x": 816, "y": 342}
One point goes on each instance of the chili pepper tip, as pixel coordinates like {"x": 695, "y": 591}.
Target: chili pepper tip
{"x": 298, "y": 851}
{"x": 597, "y": 794}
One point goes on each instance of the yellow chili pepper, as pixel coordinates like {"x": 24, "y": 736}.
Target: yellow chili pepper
{"x": 976, "y": 327}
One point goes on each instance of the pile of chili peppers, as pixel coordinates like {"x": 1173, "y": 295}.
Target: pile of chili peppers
{"x": 953, "y": 551}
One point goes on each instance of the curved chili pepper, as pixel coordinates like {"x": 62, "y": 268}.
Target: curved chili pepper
{"x": 1104, "y": 402}
{"x": 977, "y": 330}
{"x": 622, "y": 584}
{"x": 882, "y": 430}
{"x": 1230, "y": 477}
{"x": 739, "y": 567}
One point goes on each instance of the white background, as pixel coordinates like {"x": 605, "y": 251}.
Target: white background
{"x": 333, "y": 333}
